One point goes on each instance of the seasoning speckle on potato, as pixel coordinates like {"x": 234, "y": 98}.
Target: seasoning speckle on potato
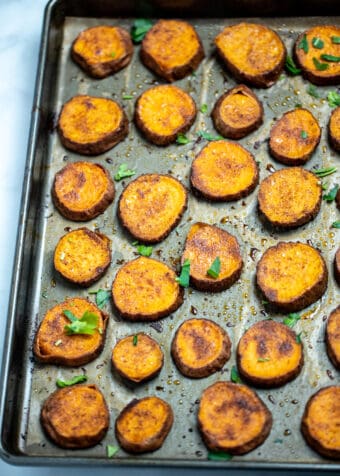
{"x": 253, "y": 53}
{"x": 102, "y": 50}
{"x": 163, "y": 112}
{"x": 172, "y": 49}
{"x": 76, "y": 417}
{"x": 334, "y": 129}
{"x": 333, "y": 337}
{"x": 294, "y": 137}
{"x": 91, "y": 125}
{"x": 291, "y": 276}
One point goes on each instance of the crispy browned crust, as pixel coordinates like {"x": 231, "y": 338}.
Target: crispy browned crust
{"x": 331, "y": 338}
{"x": 88, "y": 213}
{"x": 227, "y": 130}
{"x": 150, "y": 444}
{"x": 337, "y": 199}
{"x": 53, "y": 406}
{"x": 272, "y": 382}
{"x": 310, "y": 439}
{"x": 201, "y": 347}
{"x": 337, "y": 265}
{"x": 334, "y": 141}
{"x": 102, "y": 70}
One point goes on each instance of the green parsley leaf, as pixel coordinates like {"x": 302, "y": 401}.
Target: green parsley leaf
{"x": 331, "y": 58}
{"x": 317, "y": 43}
{"x": 72, "y": 381}
{"x": 127, "y": 96}
{"x": 184, "y": 277}
{"x": 291, "y": 319}
{"x": 215, "y": 268}
{"x": 298, "y": 338}
{"x": 111, "y": 451}
{"x": 113, "y": 54}
{"x": 87, "y": 324}
{"x": 298, "y": 104}
{"x": 312, "y": 91}
{"x": 234, "y": 376}
{"x": 182, "y": 139}
{"x": 291, "y": 66}
{"x": 219, "y": 456}
{"x": 123, "y": 172}
{"x": 303, "y": 45}
{"x": 139, "y": 29}
{"x": 335, "y": 40}
{"x": 324, "y": 172}
{"x": 204, "y": 108}
{"x": 135, "y": 340}
{"x": 320, "y": 66}
{"x": 264, "y": 302}
{"x": 207, "y": 136}
{"x": 102, "y": 297}
{"x": 336, "y": 224}
{"x": 333, "y": 99}
{"x": 324, "y": 186}
{"x": 304, "y": 135}
{"x": 330, "y": 197}
{"x": 144, "y": 250}
{"x": 261, "y": 359}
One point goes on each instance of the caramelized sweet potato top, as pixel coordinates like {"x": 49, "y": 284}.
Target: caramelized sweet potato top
{"x": 240, "y": 108}
{"x": 334, "y": 128}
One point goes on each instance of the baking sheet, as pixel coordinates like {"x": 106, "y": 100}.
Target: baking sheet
{"x": 235, "y": 309}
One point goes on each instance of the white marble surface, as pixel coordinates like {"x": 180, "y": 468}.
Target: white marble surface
{"x": 20, "y": 27}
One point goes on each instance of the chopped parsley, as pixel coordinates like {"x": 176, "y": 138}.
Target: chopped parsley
{"x": 318, "y": 43}
{"x": 207, "y": 136}
{"x": 184, "y": 277}
{"x": 111, "y": 451}
{"x": 262, "y": 359}
{"x": 72, "y": 381}
{"x": 298, "y": 338}
{"x": 182, "y": 139}
{"x": 291, "y": 319}
{"x": 304, "y": 135}
{"x": 124, "y": 172}
{"x": 142, "y": 249}
{"x": 219, "y": 456}
{"x": 204, "y": 108}
{"x": 303, "y": 45}
{"x": 87, "y": 324}
{"x": 331, "y": 58}
{"x": 127, "y": 96}
{"x": 320, "y": 66}
{"x": 215, "y": 268}
{"x": 291, "y": 66}
{"x": 135, "y": 340}
{"x": 336, "y": 224}
{"x": 333, "y": 99}
{"x": 312, "y": 91}
{"x": 330, "y": 196}
{"x": 335, "y": 40}
{"x": 113, "y": 54}
{"x": 234, "y": 375}
{"x": 324, "y": 172}
{"x": 139, "y": 29}
{"x": 102, "y": 297}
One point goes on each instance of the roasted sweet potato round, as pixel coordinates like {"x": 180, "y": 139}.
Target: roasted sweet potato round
{"x": 312, "y": 61}
{"x": 224, "y": 171}
{"x": 151, "y": 206}
{"x": 294, "y": 137}
{"x": 82, "y": 256}
{"x": 163, "y": 112}
{"x": 76, "y": 417}
{"x": 291, "y": 276}
{"x": 204, "y": 244}
{"x": 232, "y": 418}
{"x": 52, "y": 343}
{"x": 237, "y": 113}
{"x": 82, "y": 190}
{"x": 268, "y": 354}
{"x": 334, "y": 129}
{"x": 137, "y": 358}
{"x": 321, "y": 421}
{"x": 253, "y": 53}
{"x": 144, "y": 424}
{"x": 91, "y": 125}
{"x": 289, "y": 198}
{"x": 337, "y": 265}
{"x": 333, "y": 337}
{"x": 200, "y": 348}
{"x": 102, "y": 50}
{"x": 146, "y": 290}
{"x": 172, "y": 49}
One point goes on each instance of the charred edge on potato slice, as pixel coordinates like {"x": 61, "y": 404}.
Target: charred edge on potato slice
{"x": 334, "y": 129}
{"x": 337, "y": 266}
{"x": 333, "y": 337}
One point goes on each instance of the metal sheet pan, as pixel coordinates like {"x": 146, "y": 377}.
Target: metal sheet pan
{"x": 36, "y": 287}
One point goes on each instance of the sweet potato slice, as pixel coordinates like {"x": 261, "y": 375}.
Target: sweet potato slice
{"x": 333, "y": 337}
{"x": 82, "y": 190}
{"x": 224, "y": 171}
{"x": 151, "y": 206}
{"x": 291, "y": 276}
{"x": 137, "y": 358}
{"x": 144, "y": 424}
{"x": 200, "y": 348}
{"x": 53, "y": 345}
{"x": 337, "y": 266}
{"x": 253, "y": 53}
{"x": 232, "y": 418}
{"x": 82, "y": 256}
{"x": 334, "y": 129}
{"x": 310, "y": 62}
{"x": 268, "y": 354}
{"x": 204, "y": 244}
{"x": 91, "y": 125}
{"x": 76, "y": 417}
{"x": 321, "y": 421}
{"x": 102, "y": 50}
{"x": 289, "y": 198}
{"x": 237, "y": 113}
{"x": 163, "y": 112}
{"x": 294, "y": 137}
{"x": 172, "y": 49}
{"x": 146, "y": 290}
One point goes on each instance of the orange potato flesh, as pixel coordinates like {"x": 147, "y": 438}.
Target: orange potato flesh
{"x": 334, "y": 129}
{"x": 151, "y": 206}
{"x": 286, "y": 142}
{"x": 290, "y": 197}
{"x": 232, "y": 418}
{"x": 53, "y": 344}
{"x": 239, "y": 109}
{"x": 224, "y": 171}
{"x": 82, "y": 256}
{"x": 140, "y": 361}
{"x": 145, "y": 289}
{"x": 333, "y": 337}
{"x": 268, "y": 354}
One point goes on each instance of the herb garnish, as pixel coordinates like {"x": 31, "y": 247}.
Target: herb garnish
{"x": 318, "y": 43}
{"x": 184, "y": 277}
{"x": 139, "y": 29}
{"x": 261, "y": 359}
{"x": 330, "y": 197}
{"x": 333, "y": 99}
{"x": 215, "y": 268}
{"x": 304, "y": 135}
{"x": 331, "y": 58}
{"x": 336, "y": 224}
{"x": 219, "y": 456}
{"x": 234, "y": 376}
{"x": 127, "y": 96}
{"x": 87, "y": 324}
{"x": 207, "y": 136}
{"x": 182, "y": 139}
{"x": 291, "y": 66}
{"x": 111, "y": 450}
{"x": 135, "y": 340}
{"x": 204, "y": 108}
{"x": 335, "y": 40}
{"x": 324, "y": 172}
{"x": 320, "y": 66}
{"x": 298, "y": 338}
{"x": 143, "y": 250}
{"x": 291, "y": 319}
{"x": 324, "y": 186}
{"x": 113, "y": 54}
{"x": 124, "y": 172}
{"x": 303, "y": 45}
{"x": 72, "y": 381}
{"x": 102, "y": 297}
{"x": 312, "y": 91}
